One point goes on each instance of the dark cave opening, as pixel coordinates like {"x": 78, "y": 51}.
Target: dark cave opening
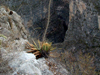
{"x": 58, "y": 25}
{"x": 56, "y": 34}
{"x": 59, "y": 21}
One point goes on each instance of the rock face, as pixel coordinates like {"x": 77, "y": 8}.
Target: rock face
{"x": 11, "y": 24}
{"x": 83, "y": 31}
{"x": 34, "y": 12}
{"x": 83, "y": 24}
{"x": 15, "y": 61}
{"x": 59, "y": 21}
{"x": 13, "y": 57}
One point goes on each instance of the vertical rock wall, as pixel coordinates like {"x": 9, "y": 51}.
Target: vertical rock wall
{"x": 83, "y": 26}
{"x": 83, "y": 30}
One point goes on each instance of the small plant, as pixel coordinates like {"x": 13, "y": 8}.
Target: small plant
{"x": 40, "y": 49}
{"x": 46, "y": 46}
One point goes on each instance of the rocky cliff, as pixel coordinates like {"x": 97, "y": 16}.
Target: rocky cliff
{"x": 13, "y": 57}
{"x": 83, "y": 30}
{"x": 80, "y": 17}
{"x": 34, "y": 13}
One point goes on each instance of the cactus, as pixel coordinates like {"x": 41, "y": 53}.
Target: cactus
{"x": 41, "y": 49}
{"x": 46, "y": 46}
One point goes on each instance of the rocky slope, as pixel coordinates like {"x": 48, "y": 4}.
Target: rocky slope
{"x": 13, "y": 57}
{"x": 80, "y": 17}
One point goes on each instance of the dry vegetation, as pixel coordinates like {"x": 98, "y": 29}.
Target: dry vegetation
{"x": 82, "y": 64}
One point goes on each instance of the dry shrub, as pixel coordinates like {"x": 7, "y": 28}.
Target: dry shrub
{"x": 82, "y": 64}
